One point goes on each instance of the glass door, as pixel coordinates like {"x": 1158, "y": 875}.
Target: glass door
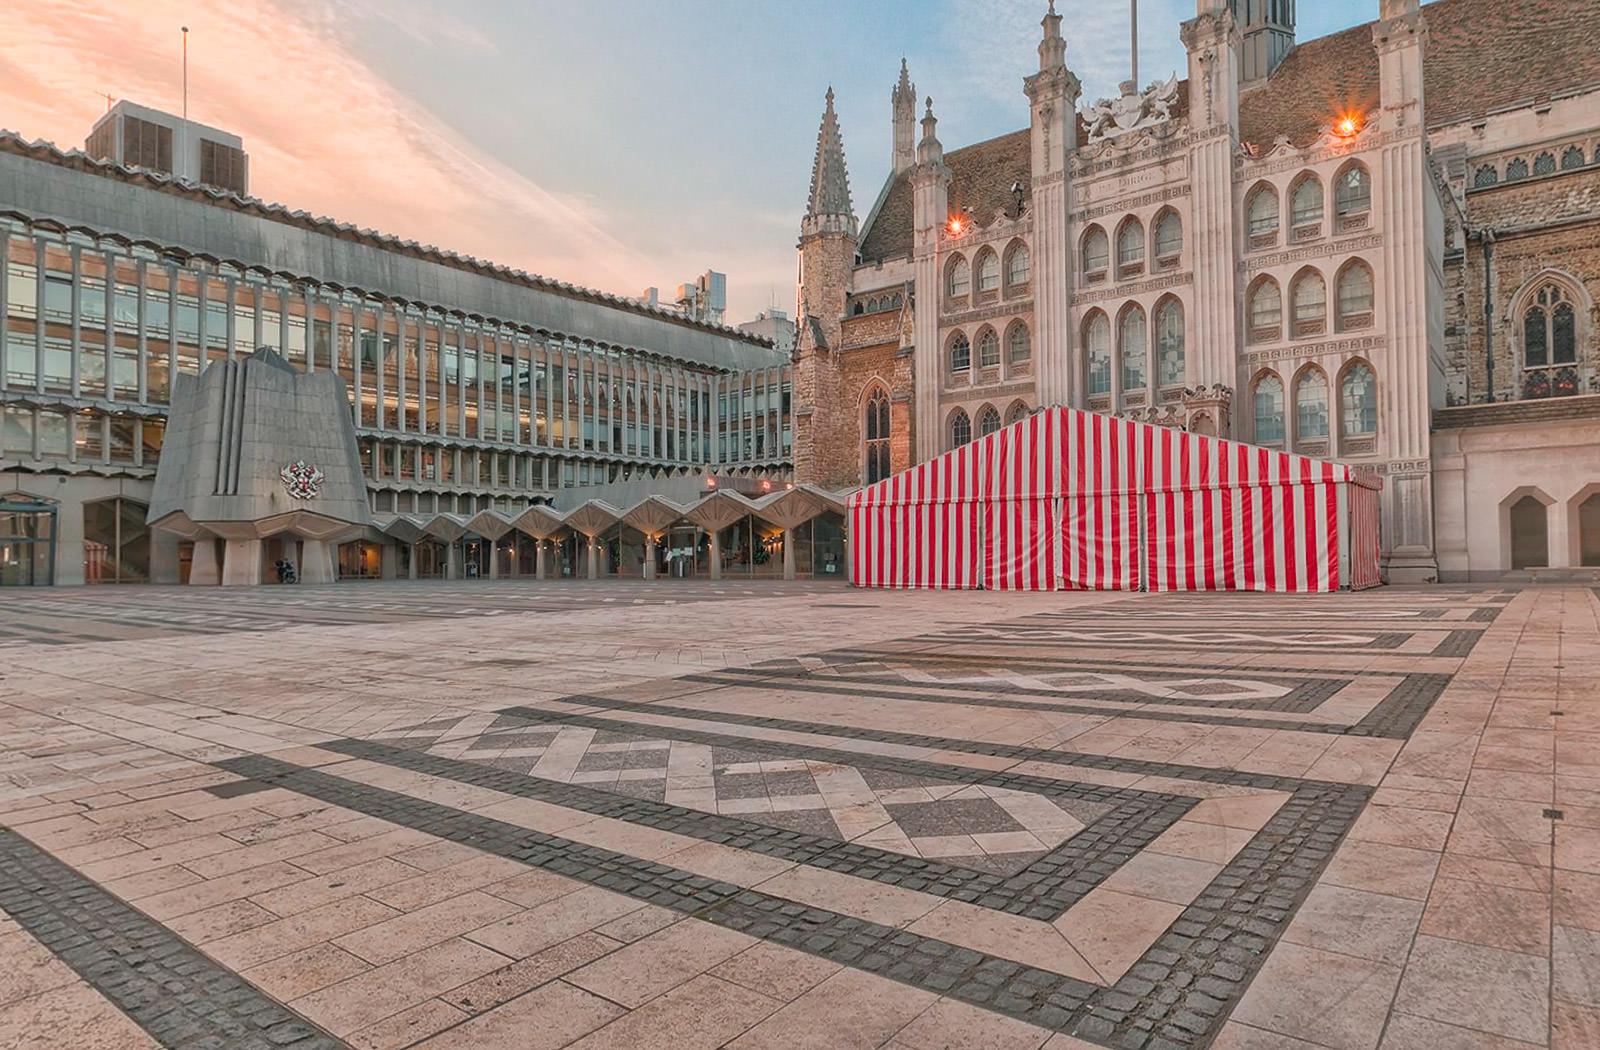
{"x": 27, "y": 541}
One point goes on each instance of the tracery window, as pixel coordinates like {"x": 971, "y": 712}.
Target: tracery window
{"x": 989, "y": 422}
{"x": 1130, "y": 245}
{"x": 988, "y": 348}
{"x": 1310, "y": 303}
{"x": 1571, "y": 158}
{"x": 1134, "y": 349}
{"x": 1485, "y": 176}
{"x": 1353, "y": 194}
{"x": 1355, "y": 296}
{"x": 1017, "y": 266}
{"x": 1096, "y": 251}
{"x": 1550, "y": 329}
{"x": 960, "y": 353}
{"x": 1311, "y": 406}
{"x": 1169, "y": 344}
{"x": 1268, "y": 403}
{"x": 1544, "y": 163}
{"x": 988, "y": 272}
{"x": 1358, "y": 401}
{"x": 959, "y": 280}
{"x": 1169, "y": 236}
{"x": 877, "y": 442}
{"x": 1016, "y": 413}
{"x": 1020, "y": 343}
{"x": 1306, "y": 204}
{"x": 1517, "y": 169}
{"x": 1097, "y": 344}
{"x": 1263, "y": 209}
{"x": 1266, "y": 310}
{"x": 960, "y": 429}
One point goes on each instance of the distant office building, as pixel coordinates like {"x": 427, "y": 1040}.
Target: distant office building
{"x": 705, "y": 299}
{"x": 140, "y": 137}
{"x": 775, "y": 325}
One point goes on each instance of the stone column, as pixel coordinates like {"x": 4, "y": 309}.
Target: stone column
{"x": 241, "y": 563}
{"x": 389, "y": 561}
{"x": 452, "y": 569}
{"x": 411, "y": 562}
{"x": 204, "y": 571}
{"x": 538, "y": 559}
{"x": 594, "y": 560}
{"x": 649, "y": 556}
{"x": 716, "y": 553}
{"x": 316, "y": 562}
{"x": 494, "y": 559}
{"x": 788, "y": 554}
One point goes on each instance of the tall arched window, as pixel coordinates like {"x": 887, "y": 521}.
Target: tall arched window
{"x": 960, "y": 429}
{"x": 1310, "y": 296}
{"x": 1169, "y": 344}
{"x": 1549, "y": 329}
{"x": 960, "y": 353}
{"x": 1019, "y": 344}
{"x": 1311, "y": 406}
{"x": 989, "y": 421}
{"x": 1355, "y": 296}
{"x": 1267, "y": 398}
{"x": 1306, "y": 202}
{"x": 1097, "y": 353}
{"x": 988, "y": 348}
{"x": 1358, "y": 401}
{"x": 1133, "y": 347}
{"x": 877, "y": 431}
{"x": 1263, "y": 210}
{"x": 988, "y": 272}
{"x": 1130, "y": 245}
{"x": 1266, "y": 310}
{"x": 1352, "y": 194}
{"x": 1016, "y": 413}
{"x": 1017, "y": 266}
{"x": 1169, "y": 236}
{"x": 1096, "y": 251}
{"x": 959, "y": 277}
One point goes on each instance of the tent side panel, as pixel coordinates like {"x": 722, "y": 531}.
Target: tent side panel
{"x": 1019, "y": 545}
{"x": 1100, "y": 542}
{"x": 1268, "y": 538}
{"x": 1364, "y": 540}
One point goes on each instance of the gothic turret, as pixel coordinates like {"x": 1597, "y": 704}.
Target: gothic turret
{"x": 829, "y": 209}
{"x": 1266, "y": 29}
{"x": 1053, "y": 123}
{"x": 904, "y": 101}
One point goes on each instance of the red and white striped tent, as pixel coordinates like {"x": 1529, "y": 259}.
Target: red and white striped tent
{"x": 1071, "y": 500}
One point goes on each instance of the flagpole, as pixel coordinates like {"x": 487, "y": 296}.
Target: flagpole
{"x": 1133, "y": 18}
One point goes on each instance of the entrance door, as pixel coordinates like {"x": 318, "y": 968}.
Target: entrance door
{"x": 677, "y": 550}
{"x": 1530, "y": 534}
{"x": 27, "y": 541}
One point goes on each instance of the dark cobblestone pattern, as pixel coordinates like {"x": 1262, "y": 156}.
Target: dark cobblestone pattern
{"x": 1020, "y": 752}
{"x": 1020, "y": 633}
{"x": 182, "y": 998}
{"x": 1305, "y": 694}
{"x": 961, "y": 973}
{"x": 1043, "y": 890}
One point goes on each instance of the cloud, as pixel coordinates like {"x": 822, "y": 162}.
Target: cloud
{"x": 325, "y": 133}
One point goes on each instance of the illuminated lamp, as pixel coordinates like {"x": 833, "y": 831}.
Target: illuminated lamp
{"x": 711, "y": 483}
{"x": 766, "y": 486}
{"x": 1346, "y": 126}
{"x": 956, "y": 225}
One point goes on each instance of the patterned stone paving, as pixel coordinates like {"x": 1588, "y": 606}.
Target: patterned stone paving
{"x": 491, "y": 814}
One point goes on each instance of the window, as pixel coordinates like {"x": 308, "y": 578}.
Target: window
{"x": 988, "y": 272}
{"x": 1096, "y": 251}
{"x": 1134, "y": 348}
{"x": 960, "y": 277}
{"x": 1550, "y": 329}
{"x": 1266, "y": 309}
{"x": 1485, "y": 176}
{"x": 988, "y": 348}
{"x": 1169, "y": 344}
{"x": 1169, "y": 236}
{"x": 989, "y": 422}
{"x": 1572, "y": 158}
{"x": 1019, "y": 411}
{"x": 1358, "y": 401}
{"x": 960, "y": 353}
{"x": 1130, "y": 245}
{"x": 1544, "y": 163}
{"x": 1268, "y": 401}
{"x": 1311, "y": 406}
{"x": 1019, "y": 343}
{"x": 1355, "y": 296}
{"x": 1517, "y": 169}
{"x": 1017, "y": 266}
{"x": 1353, "y": 194}
{"x": 1263, "y": 209}
{"x": 877, "y": 431}
{"x": 1306, "y": 204}
{"x": 960, "y": 429}
{"x": 1310, "y": 302}
{"x": 1097, "y": 343}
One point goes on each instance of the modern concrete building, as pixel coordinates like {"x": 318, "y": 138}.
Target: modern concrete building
{"x": 475, "y": 393}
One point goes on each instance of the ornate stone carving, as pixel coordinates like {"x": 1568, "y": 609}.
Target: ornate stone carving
{"x": 301, "y": 480}
{"x": 1111, "y": 118}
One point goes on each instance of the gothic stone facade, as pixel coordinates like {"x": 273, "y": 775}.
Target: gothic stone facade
{"x": 1284, "y": 246}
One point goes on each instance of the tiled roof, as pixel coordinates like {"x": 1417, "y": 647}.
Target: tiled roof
{"x": 981, "y": 176}
{"x": 11, "y": 142}
{"x": 1481, "y": 56}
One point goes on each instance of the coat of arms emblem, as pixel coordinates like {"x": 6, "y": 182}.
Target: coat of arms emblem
{"x": 302, "y": 480}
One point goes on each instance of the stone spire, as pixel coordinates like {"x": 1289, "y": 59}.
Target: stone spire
{"x": 904, "y": 101}
{"x": 1052, "y": 49}
{"x": 829, "y": 209}
{"x": 930, "y": 150}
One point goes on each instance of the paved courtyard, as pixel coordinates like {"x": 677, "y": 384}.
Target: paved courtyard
{"x": 689, "y": 816}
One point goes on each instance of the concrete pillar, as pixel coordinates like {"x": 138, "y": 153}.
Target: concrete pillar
{"x": 163, "y": 556}
{"x": 69, "y": 542}
{"x": 241, "y": 563}
{"x": 452, "y": 564}
{"x": 494, "y": 559}
{"x": 389, "y": 561}
{"x": 538, "y": 559}
{"x": 716, "y": 552}
{"x": 411, "y": 563}
{"x": 594, "y": 561}
{"x": 204, "y": 569}
{"x": 649, "y": 557}
{"x": 788, "y": 554}
{"x": 316, "y": 562}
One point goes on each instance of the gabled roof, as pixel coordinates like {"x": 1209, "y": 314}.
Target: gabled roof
{"x": 1480, "y": 56}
